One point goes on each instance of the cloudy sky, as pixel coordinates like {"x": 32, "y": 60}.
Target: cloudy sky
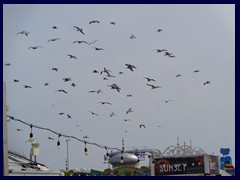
{"x": 199, "y": 37}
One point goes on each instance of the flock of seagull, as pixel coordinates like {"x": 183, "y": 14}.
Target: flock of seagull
{"x": 108, "y": 74}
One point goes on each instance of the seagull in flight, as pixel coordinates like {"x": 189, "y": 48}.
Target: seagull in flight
{"x": 129, "y": 110}
{"x": 61, "y": 113}
{"x": 79, "y": 29}
{"x": 142, "y": 125}
{"x": 113, "y": 23}
{"x": 129, "y": 95}
{"x": 207, "y": 82}
{"x": 126, "y": 120}
{"x": 166, "y": 101}
{"x": 95, "y": 21}
{"x": 61, "y": 90}
{"x": 54, "y": 39}
{"x": 73, "y": 85}
{"x": 132, "y": 36}
{"x": 66, "y": 79}
{"x": 196, "y": 71}
{"x": 50, "y": 138}
{"x": 114, "y": 86}
{"x": 98, "y": 91}
{"x": 149, "y": 79}
{"x": 112, "y": 114}
{"x": 93, "y": 113}
{"x": 15, "y": 80}
{"x": 54, "y": 27}
{"x": 178, "y": 75}
{"x": 98, "y": 49}
{"x": 26, "y": 86}
{"x": 46, "y": 84}
{"x": 71, "y": 56}
{"x": 54, "y": 69}
{"x": 154, "y": 87}
{"x": 19, "y": 129}
{"x": 105, "y": 103}
{"x": 92, "y": 42}
{"x": 69, "y": 116}
{"x": 79, "y": 42}
{"x": 34, "y": 47}
{"x": 160, "y": 50}
{"x": 130, "y": 66}
{"x": 24, "y": 32}
{"x": 7, "y": 64}
{"x": 159, "y": 30}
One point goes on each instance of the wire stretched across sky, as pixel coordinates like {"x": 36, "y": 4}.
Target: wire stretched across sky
{"x": 60, "y": 134}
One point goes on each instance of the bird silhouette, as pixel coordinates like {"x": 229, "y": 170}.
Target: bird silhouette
{"x": 120, "y": 72}
{"x": 129, "y": 110}
{"x": 112, "y": 114}
{"x": 95, "y": 21}
{"x": 79, "y": 42}
{"x": 160, "y": 50}
{"x": 92, "y": 42}
{"x": 207, "y": 82}
{"x": 98, "y": 49}
{"x": 54, "y": 39}
{"x": 93, "y": 113}
{"x": 149, "y": 79}
{"x": 73, "y": 85}
{"x": 196, "y": 71}
{"x": 130, "y": 66}
{"x": 132, "y": 36}
{"x": 71, "y": 56}
{"x": 98, "y": 91}
{"x": 54, "y": 27}
{"x": 166, "y": 101}
{"x": 15, "y": 80}
{"x": 55, "y": 69}
{"x": 142, "y": 125}
{"x": 114, "y": 86}
{"x": 129, "y": 95}
{"x": 46, "y": 84}
{"x": 7, "y": 64}
{"x": 126, "y": 120}
{"x": 104, "y": 78}
{"x": 68, "y": 116}
{"x": 79, "y": 29}
{"x": 61, "y": 113}
{"x": 159, "y": 30}
{"x": 66, "y": 79}
{"x": 95, "y": 71}
{"x": 27, "y": 86}
{"x": 34, "y": 47}
{"x": 62, "y": 90}
{"x": 50, "y": 138}
{"x": 154, "y": 87}
{"x": 85, "y": 136}
{"x": 105, "y": 71}
{"x": 113, "y": 23}
{"x": 105, "y": 103}
{"x": 24, "y": 32}
{"x": 19, "y": 129}
{"x": 178, "y": 75}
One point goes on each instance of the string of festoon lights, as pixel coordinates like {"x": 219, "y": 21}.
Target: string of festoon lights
{"x": 62, "y": 135}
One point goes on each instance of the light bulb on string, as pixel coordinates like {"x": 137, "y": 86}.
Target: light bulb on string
{"x": 121, "y": 160}
{"x": 31, "y": 135}
{"x": 85, "y": 149}
{"x": 107, "y": 154}
{"x": 58, "y": 142}
{"x": 138, "y": 162}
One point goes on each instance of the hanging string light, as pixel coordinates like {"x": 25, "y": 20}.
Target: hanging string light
{"x": 107, "y": 154}
{"x": 58, "y": 142}
{"x": 85, "y": 149}
{"x": 121, "y": 159}
{"x": 31, "y": 134}
{"x": 138, "y": 162}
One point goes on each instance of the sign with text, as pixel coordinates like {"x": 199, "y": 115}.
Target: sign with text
{"x": 179, "y": 165}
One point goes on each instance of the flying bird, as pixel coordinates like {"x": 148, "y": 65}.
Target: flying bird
{"x": 113, "y": 23}
{"x": 196, "y": 71}
{"x": 93, "y": 113}
{"x": 73, "y": 85}
{"x": 95, "y": 71}
{"x": 15, "y": 80}
{"x": 54, "y": 39}
{"x": 50, "y": 138}
{"x": 142, "y": 125}
{"x": 46, "y": 84}
{"x": 92, "y": 42}
{"x": 149, "y": 79}
{"x": 69, "y": 116}
{"x": 19, "y": 129}
{"x": 71, "y": 56}
{"x": 55, "y": 69}
{"x": 114, "y": 86}
{"x": 79, "y": 29}
{"x": 130, "y": 66}
{"x": 105, "y": 71}
{"x": 24, "y": 32}
{"x": 34, "y": 47}
{"x": 79, "y": 42}
{"x": 154, "y": 87}
{"x": 207, "y": 82}
{"x": 112, "y": 114}
{"x": 54, "y": 27}
{"x": 132, "y": 36}
{"x": 166, "y": 101}
{"x": 61, "y": 90}
{"x": 178, "y": 75}
{"x": 66, "y": 79}
{"x": 120, "y": 72}
{"x": 105, "y": 103}
{"x": 126, "y": 120}
{"x": 61, "y": 113}
{"x": 98, "y": 91}
{"x": 129, "y": 110}
{"x": 85, "y": 136}
{"x": 98, "y": 49}
{"x": 104, "y": 78}
{"x": 95, "y": 21}
{"x": 129, "y": 95}
{"x": 7, "y": 64}
{"x": 160, "y": 50}
{"x": 26, "y": 86}
{"x": 159, "y": 30}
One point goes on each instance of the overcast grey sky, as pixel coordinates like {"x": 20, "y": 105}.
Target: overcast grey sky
{"x": 201, "y": 37}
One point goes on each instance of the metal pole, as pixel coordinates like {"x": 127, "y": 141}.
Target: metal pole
{"x": 67, "y": 163}
{"x": 5, "y": 142}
